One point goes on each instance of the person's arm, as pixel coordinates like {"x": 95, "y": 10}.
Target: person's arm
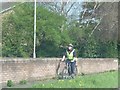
{"x": 74, "y": 54}
{"x": 63, "y": 58}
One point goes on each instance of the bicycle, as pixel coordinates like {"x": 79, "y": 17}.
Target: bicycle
{"x": 64, "y": 73}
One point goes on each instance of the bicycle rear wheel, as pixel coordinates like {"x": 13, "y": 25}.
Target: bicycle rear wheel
{"x": 76, "y": 71}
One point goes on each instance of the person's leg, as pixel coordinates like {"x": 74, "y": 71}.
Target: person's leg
{"x": 73, "y": 67}
{"x": 69, "y": 67}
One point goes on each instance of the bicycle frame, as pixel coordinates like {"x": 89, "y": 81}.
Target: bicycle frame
{"x": 64, "y": 72}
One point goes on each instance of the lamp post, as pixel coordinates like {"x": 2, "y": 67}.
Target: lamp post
{"x": 34, "y": 53}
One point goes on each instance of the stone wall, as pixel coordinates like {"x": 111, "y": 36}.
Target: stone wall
{"x": 17, "y": 69}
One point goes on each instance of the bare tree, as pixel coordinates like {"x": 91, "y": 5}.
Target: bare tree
{"x": 104, "y": 15}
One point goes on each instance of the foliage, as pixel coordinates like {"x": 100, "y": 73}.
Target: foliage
{"x": 18, "y": 32}
{"x": 10, "y": 83}
{"x": 49, "y": 35}
{"x": 23, "y": 82}
{"x": 54, "y": 33}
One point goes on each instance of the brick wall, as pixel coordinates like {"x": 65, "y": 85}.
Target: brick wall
{"x": 17, "y": 69}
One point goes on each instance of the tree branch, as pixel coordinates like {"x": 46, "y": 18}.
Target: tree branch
{"x": 96, "y": 27}
{"x": 70, "y": 8}
{"x": 95, "y": 7}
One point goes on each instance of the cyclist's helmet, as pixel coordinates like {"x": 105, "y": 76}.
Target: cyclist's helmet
{"x": 70, "y": 45}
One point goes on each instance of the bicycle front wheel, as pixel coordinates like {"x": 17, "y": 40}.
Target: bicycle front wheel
{"x": 65, "y": 73}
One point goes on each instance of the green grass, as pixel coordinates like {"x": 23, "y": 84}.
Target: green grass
{"x": 101, "y": 80}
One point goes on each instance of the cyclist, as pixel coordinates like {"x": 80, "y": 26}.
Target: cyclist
{"x": 71, "y": 59}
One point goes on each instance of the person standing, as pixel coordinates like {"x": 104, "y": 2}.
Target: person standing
{"x": 71, "y": 59}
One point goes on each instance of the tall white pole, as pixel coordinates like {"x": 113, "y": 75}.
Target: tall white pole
{"x": 34, "y": 53}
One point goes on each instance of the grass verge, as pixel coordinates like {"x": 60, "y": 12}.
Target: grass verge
{"x": 101, "y": 80}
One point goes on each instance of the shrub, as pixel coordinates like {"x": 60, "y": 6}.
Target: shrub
{"x": 10, "y": 83}
{"x": 23, "y": 82}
